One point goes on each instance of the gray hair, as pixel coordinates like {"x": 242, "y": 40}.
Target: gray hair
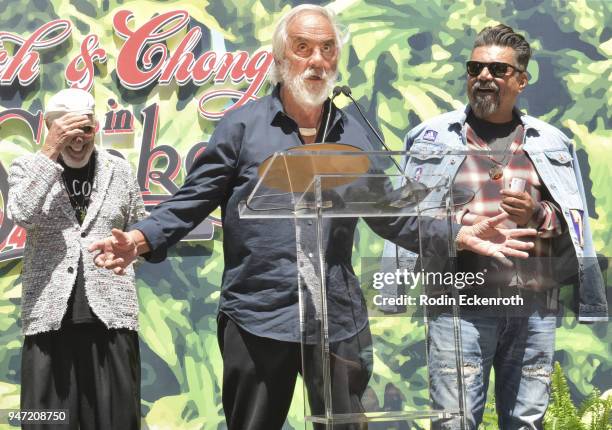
{"x": 280, "y": 36}
{"x": 503, "y": 35}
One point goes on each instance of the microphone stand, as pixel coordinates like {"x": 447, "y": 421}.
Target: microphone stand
{"x": 336, "y": 92}
{"x": 347, "y": 92}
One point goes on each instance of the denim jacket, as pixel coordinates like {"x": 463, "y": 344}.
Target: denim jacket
{"x": 554, "y": 158}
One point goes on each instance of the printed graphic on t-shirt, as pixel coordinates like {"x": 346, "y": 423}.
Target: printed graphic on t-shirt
{"x": 79, "y": 188}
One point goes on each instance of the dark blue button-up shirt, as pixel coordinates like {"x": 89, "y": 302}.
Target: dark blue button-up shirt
{"x": 260, "y": 287}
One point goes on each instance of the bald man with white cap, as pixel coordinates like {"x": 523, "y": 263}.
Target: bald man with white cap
{"x": 80, "y": 323}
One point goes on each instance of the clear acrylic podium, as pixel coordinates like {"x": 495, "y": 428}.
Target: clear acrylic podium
{"x": 326, "y": 188}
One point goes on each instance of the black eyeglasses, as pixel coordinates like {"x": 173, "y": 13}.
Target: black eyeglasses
{"x": 496, "y": 68}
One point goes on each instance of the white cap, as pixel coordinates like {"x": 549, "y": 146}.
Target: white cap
{"x": 71, "y": 100}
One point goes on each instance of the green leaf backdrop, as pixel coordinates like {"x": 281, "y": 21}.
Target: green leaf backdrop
{"x": 404, "y": 61}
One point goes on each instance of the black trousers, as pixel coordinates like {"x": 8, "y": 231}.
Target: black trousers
{"x": 259, "y": 376}
{"x": 91, "y": 371}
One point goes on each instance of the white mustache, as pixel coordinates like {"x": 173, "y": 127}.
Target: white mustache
{"x": 313, "y": 73}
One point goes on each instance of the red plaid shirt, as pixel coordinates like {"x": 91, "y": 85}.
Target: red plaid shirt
{"x": 474, "y": 174}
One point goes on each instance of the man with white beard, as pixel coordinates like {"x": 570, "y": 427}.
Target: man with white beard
{"x": 259, "y": 319}
{"x": 80, "y": 351}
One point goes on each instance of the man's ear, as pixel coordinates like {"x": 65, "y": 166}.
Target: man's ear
{"x": 523, "y": 80}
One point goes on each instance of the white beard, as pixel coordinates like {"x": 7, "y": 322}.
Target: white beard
{"x": 304, "y": 91}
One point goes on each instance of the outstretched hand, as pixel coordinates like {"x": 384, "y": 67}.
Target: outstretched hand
{"x": 115, "y": 252}
{"x": 486, "y": 238}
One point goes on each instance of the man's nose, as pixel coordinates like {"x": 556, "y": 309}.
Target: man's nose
{"x": 316, "y": 58}
{"x": 485, "y": 74}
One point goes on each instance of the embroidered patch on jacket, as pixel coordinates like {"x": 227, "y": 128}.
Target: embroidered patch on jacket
{"x": 430, "y": 135}
{"x": 577, "y": 222}
{"x": 417, "y": 173}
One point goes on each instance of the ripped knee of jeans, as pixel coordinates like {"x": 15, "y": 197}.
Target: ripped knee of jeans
{"x": 470, "y": 370}
{"x": 542, "y": 372}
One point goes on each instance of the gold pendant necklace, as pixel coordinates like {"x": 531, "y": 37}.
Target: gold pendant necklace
{"x": 81, "y": 213}
{"x": 496, "y": 172}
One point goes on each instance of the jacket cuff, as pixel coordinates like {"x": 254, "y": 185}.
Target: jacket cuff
{"x": 154, "y": 236}
{"x": 590, "y": 313}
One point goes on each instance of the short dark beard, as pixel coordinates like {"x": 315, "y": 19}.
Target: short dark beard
{"x": 484, "y": 105}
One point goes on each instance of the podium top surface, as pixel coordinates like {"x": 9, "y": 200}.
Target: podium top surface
{"x": 339, "y": 180}
{"x": 296, "y": 172}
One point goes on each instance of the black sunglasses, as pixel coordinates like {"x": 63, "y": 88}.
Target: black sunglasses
{"x": 496, "y": 68}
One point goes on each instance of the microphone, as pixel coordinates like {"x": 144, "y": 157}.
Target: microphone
{"x": 411, "y": 192}
{"x": 335, "y": 93}
{"x": 346, "y": 90}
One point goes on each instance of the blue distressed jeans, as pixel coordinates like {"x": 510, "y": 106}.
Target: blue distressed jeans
{"x": 519, "y": 349}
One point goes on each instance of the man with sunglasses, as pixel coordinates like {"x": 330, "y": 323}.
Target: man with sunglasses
{"x": 529, "y": 171}
{"x": 80, "y": 351}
